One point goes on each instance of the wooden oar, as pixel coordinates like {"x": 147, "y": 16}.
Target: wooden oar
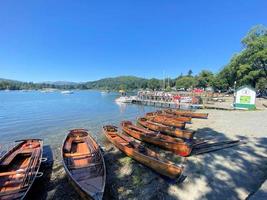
{"x": 30, "y": 168}
{"x": 11, "y": 173}
{"x": 212, "y": 149}
{"x": 207, "y": 144}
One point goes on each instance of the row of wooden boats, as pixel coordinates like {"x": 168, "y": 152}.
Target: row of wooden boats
{"x": 165, "y": 129}
{"x": 161, "y": 128}
{"x": 83, "y": 160}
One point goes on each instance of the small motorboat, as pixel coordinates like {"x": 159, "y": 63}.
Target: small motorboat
{"x": 19, "y": 167}
{"x": 124, "y": 99}
{"x": 66, "y": 92}
{"x": 84, "y": 164}
{"x": 142, "y": 154}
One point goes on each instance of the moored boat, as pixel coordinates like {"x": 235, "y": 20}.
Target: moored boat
{"x": 66, "y": 92}
{"x": 175, "y": 145}
{"x": 142, "y": 154}
{"x": 84, "y": 164}
{"x": 154, "y": 126}
{"x": 19, "y": 167}
{"x": 187, "y": 113}
{"x": 166, "y": 121}
{"x": 171, "y": 116}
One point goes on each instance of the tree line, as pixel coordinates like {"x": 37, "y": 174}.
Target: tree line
{"x": 248, "y": 67}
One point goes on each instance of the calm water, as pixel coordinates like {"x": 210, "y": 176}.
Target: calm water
{"x": 50, "y": 115}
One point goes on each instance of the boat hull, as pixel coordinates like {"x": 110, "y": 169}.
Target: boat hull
{"x": 187, "y": 113}
{"x": 84, "y": 164}
{"x": 19, "y": 168}
{"x": 151, "y": 159}
{"x": 186, "y": 134}
{"x": 178, "y": 146}
{"x": 170, "y": 116}
{"x": 167, "y": 121}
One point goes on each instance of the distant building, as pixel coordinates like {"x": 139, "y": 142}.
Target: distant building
{"x": 245, "y": 98}
{"x": 209, "y": 89}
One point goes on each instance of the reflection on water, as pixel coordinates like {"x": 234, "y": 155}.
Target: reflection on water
{"x": 50, "y": 115}
{"x": 122, "y": 106}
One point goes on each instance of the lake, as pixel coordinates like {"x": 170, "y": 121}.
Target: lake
{"x": 49, "y": 116}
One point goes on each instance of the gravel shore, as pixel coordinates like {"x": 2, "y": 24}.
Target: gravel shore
{"x": 233, "y": 173}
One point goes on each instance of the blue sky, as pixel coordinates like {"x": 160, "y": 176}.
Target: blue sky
{"x": 85, "y": 40}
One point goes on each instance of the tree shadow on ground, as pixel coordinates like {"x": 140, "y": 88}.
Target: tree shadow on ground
{"x": 231, "y": 173}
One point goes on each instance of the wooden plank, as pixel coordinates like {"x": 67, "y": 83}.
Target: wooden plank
{"x": 78, "y": 154}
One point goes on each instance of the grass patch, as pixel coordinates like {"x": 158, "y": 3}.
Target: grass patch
{"x": 137, "y": 177}
{"x": 125, "y": 160}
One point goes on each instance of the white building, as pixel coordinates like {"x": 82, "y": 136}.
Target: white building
{"x": 245, "y": 98}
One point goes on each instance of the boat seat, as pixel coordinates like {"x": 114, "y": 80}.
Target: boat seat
{"x": 70, "y": 155}
{"x": 124, "y": 143}
{"x": 84, "y": 166}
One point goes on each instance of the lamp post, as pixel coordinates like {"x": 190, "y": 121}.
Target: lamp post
{"x": 234, "y": 93}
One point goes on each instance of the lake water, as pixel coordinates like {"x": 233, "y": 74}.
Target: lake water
{"x": 49, "y": 116}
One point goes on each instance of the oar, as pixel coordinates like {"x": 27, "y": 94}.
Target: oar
{"x": 11, "y": 173}
{"x": 30, "y": 168}
{"x": 207, "y": 144}
{"x": 213, "y": 148}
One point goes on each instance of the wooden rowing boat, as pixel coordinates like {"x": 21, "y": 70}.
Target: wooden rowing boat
{"x": 84, "y": 164}
{"x": 171, "y": 116}
{"x": 186, "y": 119}
{"x": 19, "y": 168}
{"x": 142, "y": 154}
{"x": 187, "y": 113}
{"x": 175, "y": 145}
{"x": 166, "y": 121}
{"x": 176, "y": 132}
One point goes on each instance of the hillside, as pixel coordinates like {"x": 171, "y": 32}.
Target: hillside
{"x": 121, "y": 82}
{"x": 116, "y": 83}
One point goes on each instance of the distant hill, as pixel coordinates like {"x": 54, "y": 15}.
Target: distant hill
{"x": 59, "y": 83}
{"x": 116, "y": 83}
{"x": 9, "y": 80}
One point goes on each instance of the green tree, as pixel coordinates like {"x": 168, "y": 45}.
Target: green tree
{"x": 190, "y": 72}
{"x": 261, "y": 84}
{"x": 154, "y": 84}
{"x": 205, "y": 79}
{"x": 185, "y": 82}
{"x": 250, "y": 65}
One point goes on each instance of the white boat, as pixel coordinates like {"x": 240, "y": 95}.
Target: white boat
{"x": 124, "y": 99}
{"x": 48, "y": 90}
{"x": 66, "y": 92}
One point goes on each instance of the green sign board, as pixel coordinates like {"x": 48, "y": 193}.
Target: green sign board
{"x": 245, "y": 99}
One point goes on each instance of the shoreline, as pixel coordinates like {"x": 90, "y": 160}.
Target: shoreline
{"x": 225, "y": 172}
